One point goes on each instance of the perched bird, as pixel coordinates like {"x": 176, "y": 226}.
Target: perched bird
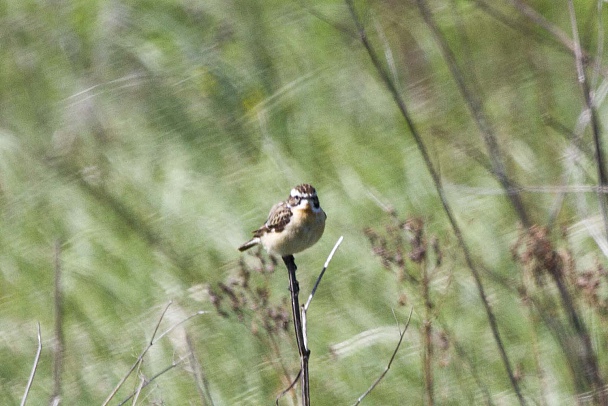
{"x": 292, "y": 225}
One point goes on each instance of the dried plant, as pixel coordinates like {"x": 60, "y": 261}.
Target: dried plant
{"x": 403, "y": 240}
{"x": 246, "y": 295}
{"x": 548, "y": 266}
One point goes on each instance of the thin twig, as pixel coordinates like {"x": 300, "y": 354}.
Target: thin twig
{"x": 390, "y": 362}
{"x": 293, "y": 383}
{"x": 589, "y": 359}
{"x": 299, "y": 320}
{"x": 179, "y": 323}
{"x": 476, "y": 108}
{"x": 595, "y": 124}
{"x": 440, "y": 191}
{"x": 542, "y": 189}
{"x": 599, "y": 52}
{"x": 329, "y": 258}
{"x": 304, "y": 309}
{"x": 152, "y": 341}
{"x": 427, "y": 328}
{"x": 59, "y": 339}
{"x": 313, "y": 11}
{"x": 294, "y": 289}
{"x": 202, "y": 386}
{"x": 556, "y": 38}
{"x": 286, "y": 375}
{"x": 568, "y": 134}
{"x": 149, "y": 381}
{"x": 468, "y": 362}
{"x": 140, "y": 358}
{"x": 555, "y": 32}
{"x": 140, "y": 386}
{"x": 34, "y": 368}
{"x": 545, "y": 24}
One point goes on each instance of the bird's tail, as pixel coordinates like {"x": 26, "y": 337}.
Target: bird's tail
{"x": 249, "y": 244}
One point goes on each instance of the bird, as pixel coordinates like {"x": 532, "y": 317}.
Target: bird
{"x": 293, "y": 225}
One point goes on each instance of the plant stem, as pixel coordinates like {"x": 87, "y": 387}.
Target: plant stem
{"x": 427, "y": 333}
{"x": 294, "y": 289}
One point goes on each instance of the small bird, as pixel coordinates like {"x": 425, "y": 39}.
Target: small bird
{"x": 293, "y": 225}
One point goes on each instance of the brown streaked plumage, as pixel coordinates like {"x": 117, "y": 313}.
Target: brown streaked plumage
{"x": 292, "y": 225}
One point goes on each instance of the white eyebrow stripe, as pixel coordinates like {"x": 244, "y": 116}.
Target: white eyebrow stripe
{"x": 295, "y": 192}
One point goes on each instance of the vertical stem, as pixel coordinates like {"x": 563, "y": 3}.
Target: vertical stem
{"x": 59, "y": 344}
{"x": 34, "y": 369}
{"x": 595, "y": 123}
{"x": 428, "y": 331}
{"x": 200, "y": 379}
{"x": 587, "y": 355}
{"x": 294, "y": 289}
{"x": 475, "y": 106}
{"x": 392, "y": 88}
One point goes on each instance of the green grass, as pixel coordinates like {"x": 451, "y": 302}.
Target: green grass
{"x": 147, "y": 139}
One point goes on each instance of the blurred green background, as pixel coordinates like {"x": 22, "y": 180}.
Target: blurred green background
{"x": 142, "y": 141}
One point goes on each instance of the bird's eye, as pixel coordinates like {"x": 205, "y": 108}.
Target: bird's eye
{"x": 315, "y": 201}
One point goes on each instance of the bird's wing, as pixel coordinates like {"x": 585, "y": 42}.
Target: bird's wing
{"x": 278, "y": 218}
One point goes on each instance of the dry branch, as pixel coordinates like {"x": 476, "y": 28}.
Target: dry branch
{"x": 400, "y": 102}
{"x": 299, "y": 320}
{"x": 595, "y": 123}
{"x": 59, "y": 345}
{"x": 202, "y": 385}
{"x": 153, "y": 340}
{"x": 390, "y": 362}
{"x": 145, "y": 382}
{"x": 314, "y": 290}
{"x": 294, "y": 289}
{"x": 34, "y": 368}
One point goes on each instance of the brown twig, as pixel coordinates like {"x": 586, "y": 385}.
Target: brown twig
{"x": 392, "y": 254}
{"x": 590, "y": 107}
{"x": 555, "y": 39}
{"x": 440, "y": 191}
{"x": 34, "y": 368}
{"x": 140, "y": 358}
{"x": 249, "y": 300}
{"x": 202, "y": 385}
{"x": 480, "y": 118}
{"x": 136, "y": 392}
{"x": 59, "y": 339}
{"x": 294, "y": 289}
{"x": 153, "y": 340}
{"x": 427, "y": 334}
{"x": 146, "y": 382}
{"x": 589, "y": 359}
{"x": 290, "y": 387}
{"x": 468, "y": 362}
{"x": 390, "y": 362}
{"x": 300, "y": 322}
{"x": 599, "y": 53}
{"x": 555, "y": 33}
{"x": 542, "y": 22}
{"x": 313, "y": 11}
{"x": 537, "y": 253}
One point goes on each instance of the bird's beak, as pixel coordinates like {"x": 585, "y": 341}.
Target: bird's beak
{"x": 306, "y": 204}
